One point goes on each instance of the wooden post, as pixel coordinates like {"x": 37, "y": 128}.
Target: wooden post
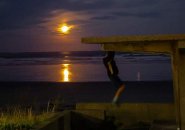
{"x": 175, "y": 66}
{"x": 182, "y": 87}
{"x": 178, "y": 67}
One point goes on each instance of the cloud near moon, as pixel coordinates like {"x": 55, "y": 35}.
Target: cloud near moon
{"x": 34, "y": 22}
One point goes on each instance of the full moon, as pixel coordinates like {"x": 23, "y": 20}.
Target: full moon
{"x": 65, "y": 29}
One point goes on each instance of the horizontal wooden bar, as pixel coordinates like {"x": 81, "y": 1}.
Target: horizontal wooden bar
{"x": 135, "y": 38}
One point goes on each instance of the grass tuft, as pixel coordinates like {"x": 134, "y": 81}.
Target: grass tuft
{"x": 22, "y": 119}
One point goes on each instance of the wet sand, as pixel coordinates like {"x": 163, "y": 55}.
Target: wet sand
{"x": 29, "y": 93}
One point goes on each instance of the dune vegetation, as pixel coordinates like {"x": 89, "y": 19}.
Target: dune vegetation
{"x": 22, "y": 119}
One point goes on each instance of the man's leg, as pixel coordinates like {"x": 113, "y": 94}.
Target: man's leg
{"x": 107, "y": 62}
{"x": 112, "y": 72}
{"x": 120, "y": 88}
{"x": 118, "y": 93}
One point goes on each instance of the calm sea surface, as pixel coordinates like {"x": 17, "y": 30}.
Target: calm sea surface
{"x": 84, "y": 68}
{"x": 81, "y": 67}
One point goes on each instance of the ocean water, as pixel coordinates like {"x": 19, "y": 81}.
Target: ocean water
{"x": 86, "y": 68}
{"x": 81, "y": 66}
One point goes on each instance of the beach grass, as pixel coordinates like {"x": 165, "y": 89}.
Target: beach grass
{"x": 17, "y": 118}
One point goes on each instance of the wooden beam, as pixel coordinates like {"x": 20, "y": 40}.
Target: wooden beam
{"x": 181, "y": 44}
{"x": 126, "y": 39}
{"x": 149, "y": 47}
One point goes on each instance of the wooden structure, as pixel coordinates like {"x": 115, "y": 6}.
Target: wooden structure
{"x": 173, "y": 45}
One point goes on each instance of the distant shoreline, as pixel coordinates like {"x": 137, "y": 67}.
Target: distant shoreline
{"x": 86, "y": 82}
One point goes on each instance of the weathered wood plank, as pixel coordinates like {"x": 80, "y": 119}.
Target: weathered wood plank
{"x": 181, "y": 44}
{"x": 126, "y": 39}
{"x": 149, "y": 47}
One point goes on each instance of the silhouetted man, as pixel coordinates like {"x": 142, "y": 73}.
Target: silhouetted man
{"x": 112, "y": 71}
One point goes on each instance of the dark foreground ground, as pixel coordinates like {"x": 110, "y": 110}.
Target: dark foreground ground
{"x": 40, "y": 93}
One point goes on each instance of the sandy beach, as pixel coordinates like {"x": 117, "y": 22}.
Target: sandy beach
{"x": 29, "y": 93}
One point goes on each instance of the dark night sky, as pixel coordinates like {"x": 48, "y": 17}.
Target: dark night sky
{"x": 30, "y": 25}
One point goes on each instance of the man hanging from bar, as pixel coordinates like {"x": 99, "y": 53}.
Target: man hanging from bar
{"x": 112, "y": 72}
